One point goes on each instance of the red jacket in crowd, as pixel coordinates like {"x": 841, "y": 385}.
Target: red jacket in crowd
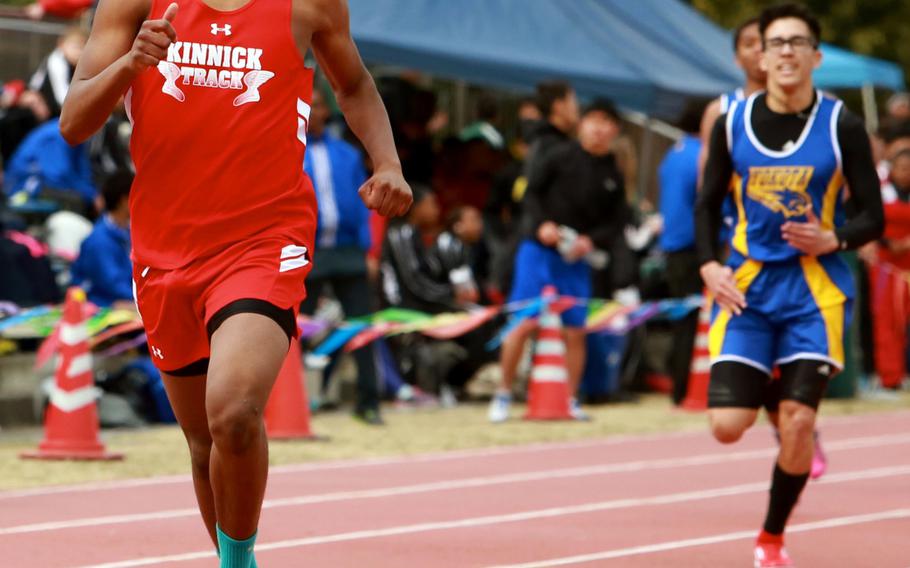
{"x": 897, "y": 226}
{"x": 65, "y": 8}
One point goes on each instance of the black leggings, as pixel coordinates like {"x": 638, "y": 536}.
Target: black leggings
{"x": 739, "y": 385}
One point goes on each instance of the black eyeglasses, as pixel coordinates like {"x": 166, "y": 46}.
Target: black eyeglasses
{"x": 797, "y": 43}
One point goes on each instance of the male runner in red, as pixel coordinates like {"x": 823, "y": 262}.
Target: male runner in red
{"x": 223, "y": 217}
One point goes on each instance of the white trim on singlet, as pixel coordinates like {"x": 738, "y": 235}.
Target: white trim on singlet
{"x": 729, "y": 126}
{"x": 303, "y": 120}
{"x": 128, "y": 104}
{"x": 726, "y": 101}
{"x": 835, "y": 142}
{"x": 779, "y": 153}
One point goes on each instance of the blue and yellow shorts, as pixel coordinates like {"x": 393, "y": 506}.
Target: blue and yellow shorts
{"x": 796, "y": 309}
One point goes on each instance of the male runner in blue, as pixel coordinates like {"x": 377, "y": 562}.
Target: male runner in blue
{"x": 784, "y": 297}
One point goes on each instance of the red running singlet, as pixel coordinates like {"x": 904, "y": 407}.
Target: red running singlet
{"x": 219, "y": 134}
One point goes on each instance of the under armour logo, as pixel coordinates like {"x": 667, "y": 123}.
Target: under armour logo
{"x": 253, "y": 80}
{"x": 824, "y": 370}
{"x": 156, "y": 352}
{"x": 226, "y": 30}
{"x": 171, "y": 73}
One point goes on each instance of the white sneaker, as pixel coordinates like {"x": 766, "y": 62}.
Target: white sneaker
{"x": 576, "y": 411}
{"x": 447, "y": 398}
{"x": 499, "y": 408}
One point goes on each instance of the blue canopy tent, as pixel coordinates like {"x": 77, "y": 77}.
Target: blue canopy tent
{"x": 623, "y": 50}
{"x": 648, "y": 55}
{"x": 842, "y": 69}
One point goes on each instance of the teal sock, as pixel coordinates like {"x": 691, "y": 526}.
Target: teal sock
{"x": 236, "y": 553}
{"x": 253, "y": 565}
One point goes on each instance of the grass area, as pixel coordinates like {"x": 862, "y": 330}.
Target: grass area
{"x": 161, "y": 450}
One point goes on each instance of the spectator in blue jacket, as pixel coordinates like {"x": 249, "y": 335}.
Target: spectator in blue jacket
{"x": 44, "y": 165}
{"x": 678, "y": 176}
{"x": 103, "y": 267}
{"x": 342, "y": 241}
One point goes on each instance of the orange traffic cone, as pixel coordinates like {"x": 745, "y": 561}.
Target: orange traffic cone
{"x": 287, "y": 414}
{"x": 71, "y": 421}
{"x": 548, "y": 391}
{"x": 700, "y": 370}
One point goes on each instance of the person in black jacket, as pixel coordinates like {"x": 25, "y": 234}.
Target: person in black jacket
{"x": 409, "y": 272}
{"x": 575, "y": 209}
{"x": 411, "y": 279}
{"x": 53, "y": 77}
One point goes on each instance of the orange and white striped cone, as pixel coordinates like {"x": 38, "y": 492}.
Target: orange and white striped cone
{"x": 71, "y": 422}
{"x": 287, "y": 413}
{"x": 548, "y": 389}
{"x": 700, "y": 370}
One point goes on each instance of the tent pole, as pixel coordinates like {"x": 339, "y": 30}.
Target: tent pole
{"x": 870, "y": 108}
{"x": 461, "y": 104}
{"x": 644, "y": 160}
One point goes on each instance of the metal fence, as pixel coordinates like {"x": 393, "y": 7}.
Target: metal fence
{"x": 24, "y": 44}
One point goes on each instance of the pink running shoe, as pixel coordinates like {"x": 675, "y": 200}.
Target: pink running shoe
{"x": 819, "y": 461}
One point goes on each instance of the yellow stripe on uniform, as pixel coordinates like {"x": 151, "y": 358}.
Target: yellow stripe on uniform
{"x": 829, "y": 201}
{"x": 830, "y": 301}
{"x": 744, "y": 276}
{"x": 739, "y": 242}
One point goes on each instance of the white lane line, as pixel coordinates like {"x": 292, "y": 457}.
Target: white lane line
{"x": 456, "y": 484}
{"x": 366, "y": 462}
{"x": 473, "y": 522}
{"x": 421, "y": 458}
{"x": 717, "y": 539}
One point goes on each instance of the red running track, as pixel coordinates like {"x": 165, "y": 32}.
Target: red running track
{"x": 667, "y": 500}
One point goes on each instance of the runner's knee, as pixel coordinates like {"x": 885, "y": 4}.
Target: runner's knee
{"x": 200, "y": 453}
{"x": 235, "y": 424}
{"x": 727, "y": 432}
{"x": 797, "y": 422}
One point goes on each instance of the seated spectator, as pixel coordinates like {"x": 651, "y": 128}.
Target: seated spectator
{"x": 65, "y": 232}
{"x": 455, "y": 252}
{"x": 458, "y": 257}
{"x": 484, "y": 129}
{"x": 103, "y": 267}
{"x": 21, "y": 111}
{"x": 46, "y": 166}
{"x": 109, "y": 149}
{"x": 409, "y": 276}
{"x": 26, "y": 278}
{"x": 898, "y": 106}
{"x": 890, "y": 294}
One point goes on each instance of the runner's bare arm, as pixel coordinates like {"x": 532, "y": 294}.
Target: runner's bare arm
{"x": 122, "y": 45}
{"x": 362, "y": 106}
